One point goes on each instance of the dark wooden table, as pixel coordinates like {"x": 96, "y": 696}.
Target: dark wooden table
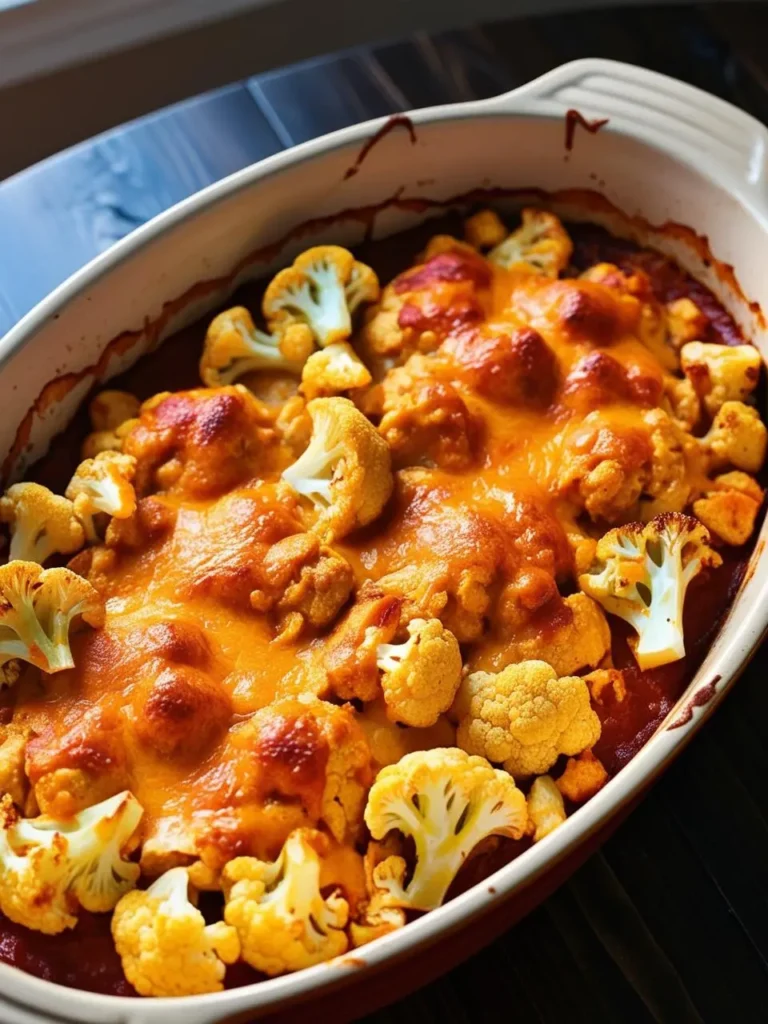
{"x": 669, "y": 922}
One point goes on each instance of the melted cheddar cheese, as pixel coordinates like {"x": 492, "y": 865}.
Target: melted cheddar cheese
{"x": 524, "y": 414}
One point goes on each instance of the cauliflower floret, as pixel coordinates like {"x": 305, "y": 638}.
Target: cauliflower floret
{"x": 721, "y": 373}
{"x": 234, "y": 346}
{"x": 346, "y": 470}
{"x": 13, "y": 777}
{"x": 737, "y": 437}
{"x": 440, "y": 244}
{"x": 684, "y": 322}
{"x": 283, "y": 921}
{"x": 730, "y": 507}
{"x": 539, "y": 246}
{"x": 425, "y": 421}
{"x": 525, "y": 716}
{"x": 447, "y": 802}
{"x": 581, "y": 637}
{"x": 202, "y": 442}
{"x": 106, "y": 440}
{"x": 113, "y": 415}
{"x": 334, "y": 369}
{"x": 37, "y": 607}
{"x": 420, "y": 676}
{"x": 42, "y": 523}
{"x": 666, "y": 488}
{"x": 546, "y": 809}
{"x": 164, "y": 944}
{"x": 484, "y": 229}
{"x": 50, "y": 867}
{"x": 103, "y": 484}
{"x": 651, "y": 319}
{"x": 603, "y": 680}
{"x": 305, "y": 582}
{"x": 322, "y": 289}
{"x": 583, "y": 777}
{"x": 641, "y": 574}
{"x": 608, "y": 465}
{"x": 109, "y": 409}
{"x": 681, "y": 402}
{"x": 348, "y": 659}
{"x": 315, "y": 753}
{"x": 377, "y": 919}
{"x": 604, "y": 466}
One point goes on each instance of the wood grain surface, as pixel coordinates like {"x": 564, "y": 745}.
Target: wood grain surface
{"x": 669, "y": 922}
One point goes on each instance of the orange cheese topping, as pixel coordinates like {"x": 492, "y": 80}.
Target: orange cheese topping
{"x": 519, "y": 411}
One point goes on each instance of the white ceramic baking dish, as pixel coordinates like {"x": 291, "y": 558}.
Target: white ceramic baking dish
{"x": 669, "y": 155}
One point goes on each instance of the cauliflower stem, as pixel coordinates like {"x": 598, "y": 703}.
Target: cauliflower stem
{"x": 642, "y": 573}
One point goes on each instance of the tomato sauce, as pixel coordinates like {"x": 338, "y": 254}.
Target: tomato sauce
{"x": 85, "y": 957}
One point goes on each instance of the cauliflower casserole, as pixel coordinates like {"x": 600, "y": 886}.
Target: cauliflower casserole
{"x": 402, "y": 576}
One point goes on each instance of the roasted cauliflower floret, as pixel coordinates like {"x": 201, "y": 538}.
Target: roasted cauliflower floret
{"x": 608, "y": 465}
{"x": 426, "y": 304}
{"x": 681, "y": 402}
{"x": 281, "y": 917}
{"x": 729, "y": 508}
{"x": 349, "y": 657}
{"x": 41, "y": 523}
{"x": 346, "y": 470}
{"x": 583, "y": 777}
{"x": 539, "y": 246}
{"x": 650, "y": 319}
{"x": 164, "y": 944}
{"x": 641, "y": 573}
{"x": 113, "y": 416}
{"x": 50, "y": 867}
{"x": 202, "y": 442}
{"x": 484, "y": 229}
{"x": 737, "y": 437}
{"x": 322, "y": 289}
{"x": 580, "y": 636}
{"x": 103, "y": 484}
{"x": 37, "y": 608}
{"x": 109, "y": 409}
{"x": 315, "y": 753}
{"x": 234, "y": 346}
{"x": 604, "y": 467}
{"x": 333, "y": 370}
{"x": 425, "y": 421}
{"x": 525, "y": 716}
{"x": 546, "y": 809}
{"x": 305, "y": 582}
{"x": 684, "y": 321}
{"x": 446, "y": 802}
{"x": 420, "y": 676}
{"x": 666, "y": 487}
{"x": 721, "y": 373}
{"x": 13, "y": 777}
{"x": 376, "y": 920}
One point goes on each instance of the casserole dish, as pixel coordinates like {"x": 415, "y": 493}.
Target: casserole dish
{"x": 382, "y": 178}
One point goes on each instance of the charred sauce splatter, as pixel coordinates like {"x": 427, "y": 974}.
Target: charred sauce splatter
{"x": 396, "y": 121}
{"x": 85, "y": 958}
{"x": 574, "y": 118}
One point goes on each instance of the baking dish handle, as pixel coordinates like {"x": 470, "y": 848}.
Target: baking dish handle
{"x": 665, "y": 112}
